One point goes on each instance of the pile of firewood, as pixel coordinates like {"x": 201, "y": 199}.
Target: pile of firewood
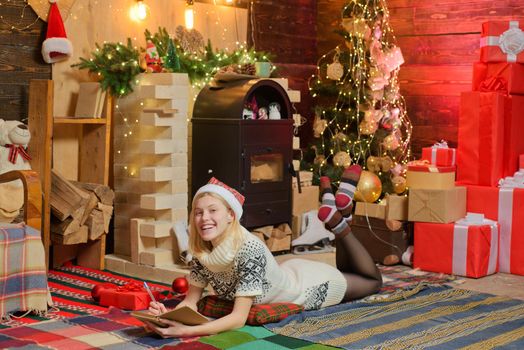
{"x": 80, "y": 211}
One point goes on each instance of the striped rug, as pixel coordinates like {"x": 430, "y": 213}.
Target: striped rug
{"x": 432, "y": 318}
{"x": 71, "y": 289}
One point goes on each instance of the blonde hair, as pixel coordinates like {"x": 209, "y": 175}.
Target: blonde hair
{"x": 197, "y": 246}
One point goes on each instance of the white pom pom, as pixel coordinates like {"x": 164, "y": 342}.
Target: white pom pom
{"x": 52, "y": 1}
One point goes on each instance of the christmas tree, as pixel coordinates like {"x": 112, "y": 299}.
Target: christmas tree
{"x": 360, "y": 116}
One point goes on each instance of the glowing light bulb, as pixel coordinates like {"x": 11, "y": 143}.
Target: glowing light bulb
{"x": 139, "y": 11}
{"x": 189, "y": 15}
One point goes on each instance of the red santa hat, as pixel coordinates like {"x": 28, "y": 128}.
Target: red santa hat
{"x": 230, "y": 195}
{"x": 56, "y": 47}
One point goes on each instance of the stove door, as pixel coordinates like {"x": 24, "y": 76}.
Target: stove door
{"x": 266, "y": 169}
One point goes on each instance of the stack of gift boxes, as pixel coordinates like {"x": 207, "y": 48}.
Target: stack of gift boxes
{"x": 489, "y": 182}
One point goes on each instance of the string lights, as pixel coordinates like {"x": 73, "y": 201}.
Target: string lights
{"x": 366, "y": 114}
{"x": 17, "y": 26}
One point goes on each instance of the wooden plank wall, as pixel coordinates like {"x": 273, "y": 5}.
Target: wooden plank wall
{"x": 288, "y": 30}
{"x": 20, "y": 58}
{"x": 440, "y": 42}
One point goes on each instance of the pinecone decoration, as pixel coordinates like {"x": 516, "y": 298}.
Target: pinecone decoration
{"x": 248, "y": 68}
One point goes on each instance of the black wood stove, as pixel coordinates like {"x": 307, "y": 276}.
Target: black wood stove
{"x": 252, "y": 155}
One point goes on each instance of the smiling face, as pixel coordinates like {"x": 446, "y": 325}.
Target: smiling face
{"x": 212, "y": 218}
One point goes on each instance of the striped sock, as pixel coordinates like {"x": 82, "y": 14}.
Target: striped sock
{"x": 328, "y": 213}
{"x": 346, "y": 190}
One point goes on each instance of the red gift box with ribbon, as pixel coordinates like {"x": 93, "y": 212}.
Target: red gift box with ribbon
{"x": 130, "y": 296}
{"x": 480, "y": 147}
{"x": 502, "y": 41}
{"x": 468, "y": 247}
{"x": 504, "y": 77}
{"x": 440, "y": 154}
{"x": 506, "y": 205}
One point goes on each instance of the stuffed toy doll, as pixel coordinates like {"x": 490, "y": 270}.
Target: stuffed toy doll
{"x": 14, "y": 138}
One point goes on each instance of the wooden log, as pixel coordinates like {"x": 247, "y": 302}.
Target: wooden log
{"x": 91, "y": 204}
{"x": 103, "y": 192}
{"x": 79, "y": 236}
{"x": 63, "y": 228}
{"x": 95, "y": 224}
{"x": 107, "y": 211}
{"x": 65, "y": 197}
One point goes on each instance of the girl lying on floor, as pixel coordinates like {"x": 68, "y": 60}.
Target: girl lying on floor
{"x": 239, "y": 267}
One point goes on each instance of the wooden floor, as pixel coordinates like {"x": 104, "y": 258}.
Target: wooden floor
{"x": 498, "y": 284}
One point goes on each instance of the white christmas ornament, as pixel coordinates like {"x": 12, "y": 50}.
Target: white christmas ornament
{"x": 335, "y": 70}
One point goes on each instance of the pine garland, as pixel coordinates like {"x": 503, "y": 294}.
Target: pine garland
{"x": 116, "y": 64}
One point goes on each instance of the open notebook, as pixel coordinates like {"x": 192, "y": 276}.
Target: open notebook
{"x": 185, "y": 315}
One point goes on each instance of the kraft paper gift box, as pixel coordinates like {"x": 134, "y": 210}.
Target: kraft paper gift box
{"x": 439, "y": 154}
{"x": 430, "y": 177}
{"x": 506, "y": 206}
{"x": 468, "y": 247}
{"x": 372, "y": 210}
{"x": 396, "y": 207}
{"x": 481, "y": 138}
{"x": 503, "y": 77}
{"x": 440, "y": 206}
{"x": 501, "y": 41}
{"x": 305, "y": 201}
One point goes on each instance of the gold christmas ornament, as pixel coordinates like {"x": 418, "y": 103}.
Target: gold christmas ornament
{"x": 386, "y": 164}
{"x": 319, "y": 125}
{"x": 368, "y": 127}
{"x": 342, "y": 159}
{"x": 391, "y": 142}
{"x": 373, "y": 164}
{"x": 319, "y": 159}
{"x": 369, "y": 187}
{"x": 399, "y": 184}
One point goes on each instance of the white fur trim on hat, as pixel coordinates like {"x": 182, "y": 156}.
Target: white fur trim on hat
{"x": 60, "y": 45}
{"x": 231, "y": 200}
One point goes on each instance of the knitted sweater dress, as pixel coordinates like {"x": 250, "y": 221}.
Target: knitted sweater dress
{"x": 253, "y": 271}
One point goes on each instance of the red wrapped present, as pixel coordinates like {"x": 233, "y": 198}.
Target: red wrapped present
{"x": 503, "y": 77}
{"x": 439, "y": 154}
{"x": 506, "y": 205}
{"x": 521, "y": 161}
{"x": 481, "y": 138}
{"x": 422, "y": 175}
{"x": 468, "y": 247}
{"x": 502, "y": 41}
{"x": 130, "y": 296}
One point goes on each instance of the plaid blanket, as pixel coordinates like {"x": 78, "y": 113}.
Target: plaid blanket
{"x": 23, "y": 279}
{"x": 116, "y": 329}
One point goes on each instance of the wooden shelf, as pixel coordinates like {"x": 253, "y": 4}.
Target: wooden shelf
{"x": 73, "y": 120}
{"x": 94, "y": 165}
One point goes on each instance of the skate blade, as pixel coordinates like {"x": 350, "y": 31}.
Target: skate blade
{"x": 312, "y": 249}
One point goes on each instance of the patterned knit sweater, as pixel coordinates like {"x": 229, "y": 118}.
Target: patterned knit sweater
{"x": 253, "y": 271}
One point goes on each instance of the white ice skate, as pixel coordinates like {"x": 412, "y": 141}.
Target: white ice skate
{"x": 182, "y": 237}
{"x": 314, "y": 237}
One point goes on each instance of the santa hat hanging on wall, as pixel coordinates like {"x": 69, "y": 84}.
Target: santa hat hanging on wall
{"x": 56, "y": 47}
